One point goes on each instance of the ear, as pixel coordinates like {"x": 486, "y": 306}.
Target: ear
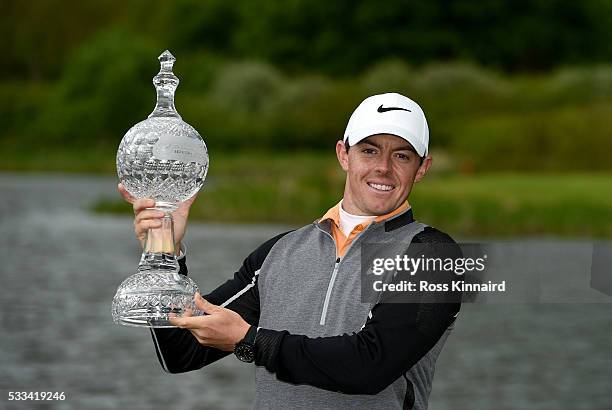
{"x": 423, "y": 168}
{"x": 342, "y": 155}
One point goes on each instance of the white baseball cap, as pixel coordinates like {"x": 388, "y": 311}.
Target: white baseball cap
{"x": 389, "y": 113}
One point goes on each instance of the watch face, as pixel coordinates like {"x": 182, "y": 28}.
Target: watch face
{"x": 245, "y": 352}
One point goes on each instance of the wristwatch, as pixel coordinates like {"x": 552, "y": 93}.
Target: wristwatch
{"x": 245, "y": 349}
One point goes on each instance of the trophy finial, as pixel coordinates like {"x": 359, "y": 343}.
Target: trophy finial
{"x": 166, "y": 60}
{"x": 165, "y": 83}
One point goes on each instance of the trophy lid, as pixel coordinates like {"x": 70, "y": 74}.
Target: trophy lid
{"x": 165, "y": 83}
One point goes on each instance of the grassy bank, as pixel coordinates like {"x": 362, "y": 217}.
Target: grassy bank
{"x": 297, "y": 188}
{"x": 31, "y": 156}
{"x": 572, "y": 205}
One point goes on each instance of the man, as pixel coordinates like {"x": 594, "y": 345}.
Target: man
{"x": 294, "y": 306}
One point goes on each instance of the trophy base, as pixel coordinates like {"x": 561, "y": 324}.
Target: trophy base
{"x": 151, "y": 299}
{"x": 149, "y": 318}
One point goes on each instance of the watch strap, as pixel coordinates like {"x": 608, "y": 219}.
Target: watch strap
{"x": 250, "y": 335}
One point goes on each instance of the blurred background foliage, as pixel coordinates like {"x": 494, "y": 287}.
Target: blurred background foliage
{"x": 508, "y": 86}
{"x": 521, "y": 85}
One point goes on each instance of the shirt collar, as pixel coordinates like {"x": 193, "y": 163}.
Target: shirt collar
{"x": 334, "y": 213}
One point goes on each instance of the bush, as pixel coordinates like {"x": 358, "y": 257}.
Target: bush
{"x": 250, "y": 106}
{"x": 390, "y": 75}
{"x": 197, "y": 72}
{"x": 105, "y": 89}
{"x": 20, "y": 103}
{"x": 455, "y": 89}
{"x": 234, "y": 113}
{"x": 580, "y": 84}
{"x": 247, "y": 87}
{"x": 565, "y": 139}
{"x": 313, "y": 113}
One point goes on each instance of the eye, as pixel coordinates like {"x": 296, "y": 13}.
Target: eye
{"x": 368, "y": 151}
{"x": 402, "y": 156}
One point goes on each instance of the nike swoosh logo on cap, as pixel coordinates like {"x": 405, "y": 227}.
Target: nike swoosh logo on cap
{"x": 385, "y": 109}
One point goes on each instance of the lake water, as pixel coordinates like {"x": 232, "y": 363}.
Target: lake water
{"x": 60, "y": 267}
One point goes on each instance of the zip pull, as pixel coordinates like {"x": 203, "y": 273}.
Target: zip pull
{"x": 329, "y": 291}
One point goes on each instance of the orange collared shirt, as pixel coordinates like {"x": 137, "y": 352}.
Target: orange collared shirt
{"x": 342, "y": 241}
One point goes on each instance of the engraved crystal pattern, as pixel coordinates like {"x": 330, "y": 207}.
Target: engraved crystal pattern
{"x": 165, "y": 159}
{"x": 144, "y": 175}
{"x": 166, "y": 294}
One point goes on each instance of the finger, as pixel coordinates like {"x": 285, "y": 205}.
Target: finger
{"x": 191, "y": 200}
{"x": 125, "y": 194}
{"x": 141, "y": 204}
{"x": 189, "y": 323}
{"x": 143, "y": 227}
{"x": 148, "y": 214}
{"x": 184, "y": 207}
{"x": 179, "y": 321}
{"x": 204, "y": 305}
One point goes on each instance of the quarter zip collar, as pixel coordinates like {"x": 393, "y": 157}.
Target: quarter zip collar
{"x": 334, "y": 213}
{"x": 395, "y": 218}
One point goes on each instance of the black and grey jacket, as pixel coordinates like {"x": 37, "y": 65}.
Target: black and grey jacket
{"x": 319, "y": 346}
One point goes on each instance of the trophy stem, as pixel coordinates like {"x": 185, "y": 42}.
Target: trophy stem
{"x": 159, "y": 250}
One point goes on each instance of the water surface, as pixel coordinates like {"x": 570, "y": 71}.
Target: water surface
{"x": 60, "y": 267}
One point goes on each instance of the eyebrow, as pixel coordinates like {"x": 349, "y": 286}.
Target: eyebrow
{"x": 402, "y": 148}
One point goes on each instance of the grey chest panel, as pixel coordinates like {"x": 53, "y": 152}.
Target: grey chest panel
{"x": 302, "y": 292}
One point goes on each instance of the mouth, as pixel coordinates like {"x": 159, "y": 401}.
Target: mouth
{"x": 381, "y": 187}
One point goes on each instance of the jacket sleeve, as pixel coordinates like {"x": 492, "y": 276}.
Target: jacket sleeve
{"x": 394, "y": 338}
{"x": 178, "y": 351}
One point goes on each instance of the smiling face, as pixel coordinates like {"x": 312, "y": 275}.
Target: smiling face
{"x": 380, "y": 172}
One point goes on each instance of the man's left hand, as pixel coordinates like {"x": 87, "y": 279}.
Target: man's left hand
{"x": 221, "y": 328}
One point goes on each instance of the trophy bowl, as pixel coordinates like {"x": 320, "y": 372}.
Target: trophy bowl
{"x": 163, "y": 158}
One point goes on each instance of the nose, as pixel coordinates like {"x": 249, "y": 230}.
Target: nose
{"x": 383, "y": 165}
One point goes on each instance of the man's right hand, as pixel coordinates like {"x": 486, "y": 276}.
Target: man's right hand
{"x": 146, "y": 218}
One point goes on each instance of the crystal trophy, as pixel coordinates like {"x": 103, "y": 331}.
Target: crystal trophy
{"x": 165, "y": 159}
